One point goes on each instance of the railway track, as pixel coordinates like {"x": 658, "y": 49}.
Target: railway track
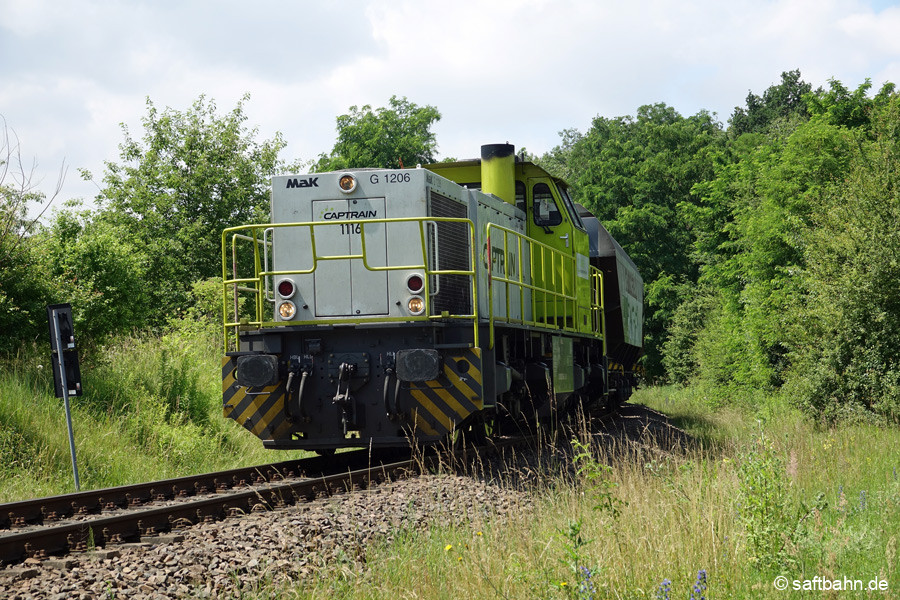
{"x": 147, "y": 512}
{"x": 155, "y": 512}
{"x": 299, "y": 544}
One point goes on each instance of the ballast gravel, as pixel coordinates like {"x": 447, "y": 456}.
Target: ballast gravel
{"x": 225, "y": 559}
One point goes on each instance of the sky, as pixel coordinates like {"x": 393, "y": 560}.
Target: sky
{"x": 518, "y": 71}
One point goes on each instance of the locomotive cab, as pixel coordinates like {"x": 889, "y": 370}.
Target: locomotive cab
{"x": 551, "y": 219}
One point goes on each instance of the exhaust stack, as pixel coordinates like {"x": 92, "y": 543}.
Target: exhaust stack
{"x": 498, "y": 171}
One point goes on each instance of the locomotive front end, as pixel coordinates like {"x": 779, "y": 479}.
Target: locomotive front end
{"x": 351, "y": 316}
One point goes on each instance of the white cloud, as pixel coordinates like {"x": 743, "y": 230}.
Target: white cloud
{"x": 505, "y": 70}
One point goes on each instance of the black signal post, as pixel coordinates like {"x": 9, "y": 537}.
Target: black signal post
{"x": 66, "y": 371}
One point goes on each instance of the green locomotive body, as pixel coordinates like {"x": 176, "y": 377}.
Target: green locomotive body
{"x": 382, "y": 306}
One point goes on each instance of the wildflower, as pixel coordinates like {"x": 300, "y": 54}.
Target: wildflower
{"x": 664, "y": 588}
{"x": 563, "y": 583}
{"x": 862, "y": 499}
{"x": 448, "y": 547}
{"x": 586, "y": 588}
{"x": 700, "y": 586}
{"x": 478, "y": 533}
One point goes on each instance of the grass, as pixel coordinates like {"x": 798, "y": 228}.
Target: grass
{"x": 151, "y": 409}
{"x": 761, "y": 493}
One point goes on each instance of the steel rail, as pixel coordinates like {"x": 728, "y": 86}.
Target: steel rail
{"x": 59, "y": 525}
{"x": 139, "y": 523}
{"x": 55, "y": 508}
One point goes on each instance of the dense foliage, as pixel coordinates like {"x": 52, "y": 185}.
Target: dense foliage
{"x": 769, "y": 247}
{"x": 636, "y": 175}
{"x": 192, "y": 174}
{"x": 768, "y": 244}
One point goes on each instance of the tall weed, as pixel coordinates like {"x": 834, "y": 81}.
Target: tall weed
{"x": 764, "y": 505}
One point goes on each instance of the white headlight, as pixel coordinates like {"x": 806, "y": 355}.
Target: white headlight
{"x": 287, "y": 310}
{"x": 347, "y": 183}
{"x": 416, "y": 305}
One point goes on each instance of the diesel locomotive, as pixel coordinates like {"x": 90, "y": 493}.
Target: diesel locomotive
{"x": 384, "y": 307}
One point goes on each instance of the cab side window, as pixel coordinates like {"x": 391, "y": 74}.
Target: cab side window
{"x": 545, "y": 213}
{"x": 520, "y": 196}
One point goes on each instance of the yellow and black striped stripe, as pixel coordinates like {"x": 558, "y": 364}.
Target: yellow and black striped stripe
{"x": 441, "y": 404}
{"x": 259, "y": 410}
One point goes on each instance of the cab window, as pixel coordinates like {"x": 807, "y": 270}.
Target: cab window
{"x": 570, "y": 206}
{"x": 545, "y": 213}
{"x": 520, "y": 196}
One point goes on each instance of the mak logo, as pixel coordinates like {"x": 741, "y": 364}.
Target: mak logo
{"x": 302, "y": 183}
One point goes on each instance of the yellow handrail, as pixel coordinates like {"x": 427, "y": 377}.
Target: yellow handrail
{"x": 257, "y": 282}
{"x": 557, "y": 285}
{"x": 598, "y": 309}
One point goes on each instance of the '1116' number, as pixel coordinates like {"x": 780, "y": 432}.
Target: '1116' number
{"x": 349, "y": 228}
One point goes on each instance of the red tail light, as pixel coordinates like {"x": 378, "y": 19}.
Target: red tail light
{"x": 415, "y": 283}
{"x": 286, "y": 288}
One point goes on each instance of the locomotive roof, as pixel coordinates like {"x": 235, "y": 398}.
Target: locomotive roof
{"x": 474, "y": 164}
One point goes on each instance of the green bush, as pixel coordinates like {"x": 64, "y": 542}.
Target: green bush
{"x": 23, "y": 298}
{"x": 679, "y": 356}
{"x": 848, "y": 339}
{"x": 98, "y": 268}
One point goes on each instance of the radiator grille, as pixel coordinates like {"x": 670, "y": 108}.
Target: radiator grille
{"x": 454, "y": 292}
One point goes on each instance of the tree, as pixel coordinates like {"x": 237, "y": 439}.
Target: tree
{"x": 637, "y": 174}
{"x": 22, "y": 293}
{"x": 796, "y": 243}
{"x": 398, "y": 136}
{"x": 559, "y": 161}
{"x": 846, "y": 352}
{"x": 840, "y": 106}
{"x": 751, "y": 219}
{"x": 192, "y": 174}
{"x": 18, "y": 191}
{"x": 97, "y": 266}
{"x": 779, "y": 102}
